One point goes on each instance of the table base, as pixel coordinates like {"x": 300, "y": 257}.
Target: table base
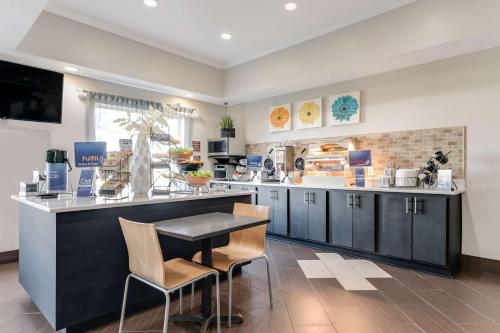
{"x": 205, "y": 323}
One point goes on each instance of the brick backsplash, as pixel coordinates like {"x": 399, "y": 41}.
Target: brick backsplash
{"x": 407, "y": 149}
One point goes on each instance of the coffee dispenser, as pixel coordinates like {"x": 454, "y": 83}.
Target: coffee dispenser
{"x": 58, "y": 167}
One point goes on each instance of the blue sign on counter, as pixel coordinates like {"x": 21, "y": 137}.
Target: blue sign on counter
{"x": 254, "y": 162}
{"x": 57, "y": 174}
{"x": 90, "y": 154}
{"x": 360, "y": 158}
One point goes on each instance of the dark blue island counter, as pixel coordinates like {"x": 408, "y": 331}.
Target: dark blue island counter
{"x": 73, "y": 260}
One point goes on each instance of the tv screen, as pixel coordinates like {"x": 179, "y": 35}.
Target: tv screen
{"x": 28, "y": 93}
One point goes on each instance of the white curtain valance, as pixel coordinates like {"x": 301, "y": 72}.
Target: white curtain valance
{"x": 122, "y": 101}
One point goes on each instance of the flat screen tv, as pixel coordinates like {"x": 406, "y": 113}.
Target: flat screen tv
{"x": 28, "y": 93}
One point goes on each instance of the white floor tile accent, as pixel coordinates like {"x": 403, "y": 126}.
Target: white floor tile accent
{"x": 315, "y": 269}
{"x": 350, "y": 279}
{"x": 352, "y": 274}
{"x": 368, "y": 269}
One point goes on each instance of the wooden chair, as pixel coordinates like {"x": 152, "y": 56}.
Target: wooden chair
{"x": 146, "y": 265}
{"x": 244, "y": 246}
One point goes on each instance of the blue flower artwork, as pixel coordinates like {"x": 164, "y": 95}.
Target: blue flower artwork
{"x": 345, "y": 108}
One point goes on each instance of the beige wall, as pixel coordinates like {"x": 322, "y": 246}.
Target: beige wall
{"x": 23, "y": 144}
{"x": 62, "y": 39}
{"x": 455, "y": 92}
{"x": 423, "y": 31}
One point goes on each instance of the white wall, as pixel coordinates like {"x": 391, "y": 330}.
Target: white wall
{"x": 23, "y": 144}
{"x": 459, "y": 91}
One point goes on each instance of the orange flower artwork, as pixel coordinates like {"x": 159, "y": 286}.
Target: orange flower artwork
{"x": 279, "y": 118}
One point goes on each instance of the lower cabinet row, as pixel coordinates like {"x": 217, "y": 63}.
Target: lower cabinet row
{"x": 420, "y": 228}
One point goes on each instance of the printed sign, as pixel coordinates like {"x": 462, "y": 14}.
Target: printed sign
{"x": 360, "y": 158}
{"x": 85, "y": 183}
{"x": 254, "y": 162}
{"x": 125, "y": 144}
{"x": 90, "y": 154}
{"x": 196, "y": 145}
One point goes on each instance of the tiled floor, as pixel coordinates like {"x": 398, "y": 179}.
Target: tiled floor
{"x": 407, "y": 302}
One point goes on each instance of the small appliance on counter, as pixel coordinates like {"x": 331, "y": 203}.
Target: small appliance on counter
{"x": 58, "y": 167}
{"x": 224, "y": 171}
{"x": 225, "y": 147}
{"x": 283, "y": 157}
{"x": 406, "y": 178}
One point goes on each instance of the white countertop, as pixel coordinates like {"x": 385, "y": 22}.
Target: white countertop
{"x": 414, "y": 190}
{"x": 78, "y": 204}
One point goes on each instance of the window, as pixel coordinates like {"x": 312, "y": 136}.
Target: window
{"x": 107, "y": 130}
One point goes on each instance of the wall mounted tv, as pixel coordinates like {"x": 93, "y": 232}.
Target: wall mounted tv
{"x": 28, "y": 93}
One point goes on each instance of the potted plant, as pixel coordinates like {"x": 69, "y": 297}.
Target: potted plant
{"x": 227, "y": 127}
{"x": 178, "y": 154}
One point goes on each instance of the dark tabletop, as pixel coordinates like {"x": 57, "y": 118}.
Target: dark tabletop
{"x": 197, "y": 227}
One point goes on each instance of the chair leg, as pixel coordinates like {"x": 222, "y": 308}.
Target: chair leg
{"x": 167, "y": 308}
{"x": 269, "y": 281}
{"x": 180, "y": 301}
{"x": 192, "y": 296}
{"x": 124, "y": 304}
{"x": 218, "y": 301}
{"x": 230, "y": 302}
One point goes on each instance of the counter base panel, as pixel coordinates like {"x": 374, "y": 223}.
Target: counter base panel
{"x": 74, "y": 264}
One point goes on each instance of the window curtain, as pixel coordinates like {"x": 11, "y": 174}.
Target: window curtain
{"x": 93, "y": 99}
{"x": 186, "y": 115}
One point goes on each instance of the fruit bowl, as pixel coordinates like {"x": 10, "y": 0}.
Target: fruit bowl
{"x": 198, "y": 181}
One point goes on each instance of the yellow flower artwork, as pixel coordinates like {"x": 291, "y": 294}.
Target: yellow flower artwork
{"x": 309, "y": 114}
{"x": 279, "y": 118}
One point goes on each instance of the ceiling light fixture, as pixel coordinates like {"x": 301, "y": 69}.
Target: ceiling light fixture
{"x": 225, "y": 36}
{"x": 71, "y": 69}
{"x": 291, "y": 6}
{"x": 151, "y": 3}
{"x": 189, "y": 95}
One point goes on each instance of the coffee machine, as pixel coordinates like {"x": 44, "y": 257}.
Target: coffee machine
{"x": 283, "y": 159}
{"x": 58, "y": 167}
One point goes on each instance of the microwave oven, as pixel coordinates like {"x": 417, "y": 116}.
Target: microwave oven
{"x": 225, "y": 147}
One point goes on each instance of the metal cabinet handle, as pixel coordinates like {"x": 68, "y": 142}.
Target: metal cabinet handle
{"x": 306, "y": 197}
{"x": 312, "y": 194}
{"x": 415, "y": 205}
{"x": 349, "y": 202}
{"x": 271, "y": 195}
{"x": 354, "y": 197}
{"x": 407, "y": 206}
{"x": 275, "y": 194}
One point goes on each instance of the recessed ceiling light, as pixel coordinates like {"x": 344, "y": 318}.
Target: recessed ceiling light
{"x": 71, "y": 69}
{"x": 291, "y": 6}
{"x": 189, "y": 95}
{"x": 225, "y": 36}
{"x": 151, "y": 3}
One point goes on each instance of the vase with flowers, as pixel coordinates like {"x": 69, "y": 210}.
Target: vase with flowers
{"x": 141, "y": 127}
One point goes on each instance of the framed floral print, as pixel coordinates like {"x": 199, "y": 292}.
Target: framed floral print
{"x": 309, "y": 114}
{"x": 344, "y": 109}
{"x": 280, "y": 118}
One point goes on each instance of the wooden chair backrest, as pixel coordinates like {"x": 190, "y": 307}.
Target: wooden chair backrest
{"x": 144, "y": 252}
{"x": 252, "y": 238}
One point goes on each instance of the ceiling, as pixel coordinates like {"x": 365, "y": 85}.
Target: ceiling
{"x": 192, "y": 28}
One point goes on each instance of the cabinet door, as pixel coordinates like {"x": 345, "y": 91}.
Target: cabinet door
{"x": 363, "y": 222}
{"x": 429, "y": 229}
{"x": 246, "y": 188}
{"x": 340, "y": 218}
{"x": 265, "y": 198}
{"x": 299, "y": 213}
{"x": 280, "y": 211}
{"x": 317, "y": 216}
{"x": 395, "y": 225}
